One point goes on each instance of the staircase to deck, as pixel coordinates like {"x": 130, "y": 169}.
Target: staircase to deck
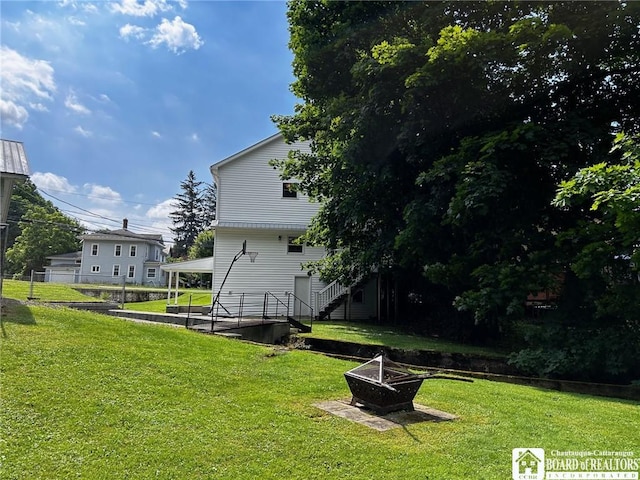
{"x": 330, "y": 298}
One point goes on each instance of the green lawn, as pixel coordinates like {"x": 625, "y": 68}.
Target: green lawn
{"x": 196, "y": 297}
{"x": 94, "y": 397}
{"x": 45, "y": 292}
{"x": 390, "y": 337}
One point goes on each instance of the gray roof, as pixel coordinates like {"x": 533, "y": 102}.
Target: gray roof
{"x": 72, "y": 256}
{"x": 119, "y": 235}
{"x": 13, "y": 159}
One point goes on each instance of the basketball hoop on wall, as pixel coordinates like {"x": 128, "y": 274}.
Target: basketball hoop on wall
{"x": 252, "y": 256}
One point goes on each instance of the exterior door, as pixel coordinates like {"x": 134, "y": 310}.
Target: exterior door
{"x": 302, "y": 291}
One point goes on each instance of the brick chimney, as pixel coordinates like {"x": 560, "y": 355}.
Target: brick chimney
{"x": 125, "y": 223}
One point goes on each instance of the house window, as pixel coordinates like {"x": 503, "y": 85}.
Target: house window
{"x": 118, "y": 250}
{"x": 151, "y": 273}
{"x": 293, "y": 246}
{"x": 289, "y": 190}
{"x": 95, "y": 268}
{"x": 132, "y": 251}
{"x": 116, "y": 270}
{"x": 157, "y": 254}
{"x": 132, "y": 271}
{"x": 94, "y": 250}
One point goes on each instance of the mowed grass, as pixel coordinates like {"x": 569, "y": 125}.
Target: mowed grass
{"x": 95, "y": 397}
{"x": 193, "y": 298}
{"x": 44, "y": 292}
{"x": 388, "y": 336}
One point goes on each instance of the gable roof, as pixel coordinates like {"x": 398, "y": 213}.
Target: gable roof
{"x": 13, "y": 159}
{"x": 123, "y": 234}
{"x": 242, "y": 153}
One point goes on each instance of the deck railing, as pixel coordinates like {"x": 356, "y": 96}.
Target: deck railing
{"x": 328, "y": 294}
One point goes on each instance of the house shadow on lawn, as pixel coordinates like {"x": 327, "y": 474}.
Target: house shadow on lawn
{"x": 357, "y": 413}
{"x": 14, "y": 311}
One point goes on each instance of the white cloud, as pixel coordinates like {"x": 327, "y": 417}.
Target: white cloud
{"x": 156, "y": 134}
{"x": 13, "y": 114}
{"x": 76, "y": 21}
{"x": 23, "y": 80}
{"x": 177, "y": 35}
{"x": 102, "y": 195}
{"x": 39, "y": 107}
{"x": 81, "y": 131}
{"x": 103, "y": 97}
{"x": 72, "y": 103}
{"x": 194, "y": 137}
{"x": 162, "y": 210}
{"x": 51, "y": 182}
{"x": 134, "y": 31}
{"x": 148, "y": 8}
{"x": 89, "y": 7}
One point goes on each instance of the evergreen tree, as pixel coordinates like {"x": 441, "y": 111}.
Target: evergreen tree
{"x": 209, "y": 201}
{"x": 188, "y": 217}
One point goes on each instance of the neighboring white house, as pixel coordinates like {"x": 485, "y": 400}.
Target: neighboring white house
{"x": 110, "y": 256}
{"x": 63, "y": 268}
{"x": 256, "y": 206}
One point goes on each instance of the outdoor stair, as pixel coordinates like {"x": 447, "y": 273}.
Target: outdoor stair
{"x": 299, "y": 325}
{"x": 334, "y": 295}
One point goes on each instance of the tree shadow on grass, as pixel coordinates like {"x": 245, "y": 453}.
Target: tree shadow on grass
{"x": 13, "y": 311}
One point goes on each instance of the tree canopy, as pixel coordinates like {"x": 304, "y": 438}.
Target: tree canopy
{"x": 45, "y": 231}
{"x": 441, "y": 131}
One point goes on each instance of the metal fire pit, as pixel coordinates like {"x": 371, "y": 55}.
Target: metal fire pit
{"x": 384, "y": 386}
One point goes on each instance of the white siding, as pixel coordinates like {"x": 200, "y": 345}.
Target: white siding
{"x": 273, "y": 271}
{"x": 249, "y": 190}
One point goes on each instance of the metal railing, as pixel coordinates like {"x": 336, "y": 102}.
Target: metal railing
{"x": 299, "y": 306}
{"x": 273, "y": 307}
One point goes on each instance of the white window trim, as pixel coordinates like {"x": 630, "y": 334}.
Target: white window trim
{"x": 155, "y": 272}
{"x": 113, "y": 271}
{"x": 95, "y": 268}
{"x": 115, "y": 250}
{"x": 97, "y": 248}
{"x": 129, "y": 275}
{"x": 133, "y": 248}
{"x": 290, "y": 240}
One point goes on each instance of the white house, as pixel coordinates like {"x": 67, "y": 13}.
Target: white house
{"x": 256, "y": 206}
{"x": 111, "y": 256}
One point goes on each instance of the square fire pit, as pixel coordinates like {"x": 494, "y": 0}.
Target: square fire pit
{"x": 383, "y": 386}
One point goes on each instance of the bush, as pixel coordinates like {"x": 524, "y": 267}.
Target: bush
{"x": 606, "y": 354}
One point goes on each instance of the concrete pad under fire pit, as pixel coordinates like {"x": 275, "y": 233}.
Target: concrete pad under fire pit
{"x": 359, "y": 414}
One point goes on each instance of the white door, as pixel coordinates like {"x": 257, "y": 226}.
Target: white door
{"x": 302, "y": 291}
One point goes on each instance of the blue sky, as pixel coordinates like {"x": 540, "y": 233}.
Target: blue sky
{"x": 116, "y": 101}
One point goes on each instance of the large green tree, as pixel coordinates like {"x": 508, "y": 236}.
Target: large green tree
{"x": 441, "y": 130}
{"x": 24, "y": 195}
{"x": 45, "y": 231}
{"x": 188, "y": 217}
